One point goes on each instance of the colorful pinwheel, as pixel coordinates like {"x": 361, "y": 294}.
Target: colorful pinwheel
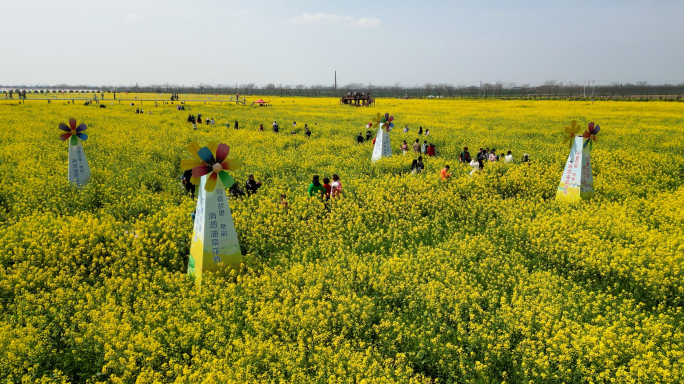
{"x": 215, "y": 166}
{"x": 572, "y": 131}
{"x": 73, "y": 132}
{"x": 387, "y": 122}
{"x": 590, "y": 135}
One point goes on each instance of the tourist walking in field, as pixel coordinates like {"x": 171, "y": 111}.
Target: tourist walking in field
{"x": 525, "y": 158}
{"x": 283, "y": 202}
{"x": 493, "y": 156}
{"x": 336, "y": 186}
{"x": 432, "y": 151}
{"x": 236, "y": 124}
{"x": 427, "y": 132}
{"x": 481, "y": 158}
{"x": 261, "y": 127}
{"x": 327, "y": 187}
{"x": 406, "y": 129}
{"x": 421, "y": 165}
{"x": 424, "y": 147}
{"x": 420, "y": 130}
{"x": 414, "y": 166}
{"x": 307, "y": 131}
{"x": 464, "y": 157}
{"x": 252, "y": 186}
{"x": 369, "y": 135}
{"x": 416, "y": 146}
{"x": 359, "y": 138}
{"x": 509, "y": 157}
{"x": 275, "y": 127}
{"x": 444, "y": 174}
{"x": 476, "y": 166}
{"x": 404, "y": 148}
{"x": 189, "y": 187}
{"x": 315, "y": 188}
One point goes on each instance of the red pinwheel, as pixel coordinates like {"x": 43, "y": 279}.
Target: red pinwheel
{"x": 590, "y": 134}
{"x": 214, "y": 166}
{"x": 74, "y": 132}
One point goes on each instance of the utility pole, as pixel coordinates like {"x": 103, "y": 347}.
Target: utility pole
{"x": 584, "y": 88}
{"x": 592, "y": 88}
{"x": 336, "y": 80}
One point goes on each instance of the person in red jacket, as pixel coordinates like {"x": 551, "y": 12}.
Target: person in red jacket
{"x": 431, "y": 150}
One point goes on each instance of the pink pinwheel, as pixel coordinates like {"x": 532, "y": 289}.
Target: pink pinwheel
{"x": 215, "y": 166}
{"x": 73, "y": 132}
{"x": 590, "y": 134}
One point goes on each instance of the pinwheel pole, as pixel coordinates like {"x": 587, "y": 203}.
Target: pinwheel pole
{"x": 214, "y": 246}
{"x": 79, "y": 171}
{"x": 382, "y": 147}
{"x": 577, "y": 182}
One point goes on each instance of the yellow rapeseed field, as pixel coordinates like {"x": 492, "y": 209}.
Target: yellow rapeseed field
{"x": 406, "y": 278}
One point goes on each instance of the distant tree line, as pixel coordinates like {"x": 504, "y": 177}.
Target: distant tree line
{"x": 550, "y": 89}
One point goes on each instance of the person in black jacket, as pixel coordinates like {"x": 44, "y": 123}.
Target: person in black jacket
{"x": 236, "y": 124}
{"x": 481, "y": 157}
{"x": 359, "y": 138}
{"x": 189, "y": 187}
{"x": 369, "y": 135}
{"x": 252, "y": 186}
{"x": 465, "y": 156}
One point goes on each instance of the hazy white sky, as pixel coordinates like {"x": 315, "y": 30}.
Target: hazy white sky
{"x": 303, "y": 42}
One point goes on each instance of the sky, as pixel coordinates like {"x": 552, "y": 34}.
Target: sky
{"x": 294, "y": 42}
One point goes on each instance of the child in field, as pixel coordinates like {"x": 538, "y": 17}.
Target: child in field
{"x": 315, "y": 188}
{"x": 336, "y": 186}
{"x": 327, "y": 187}
{"x": 404, "y": 148}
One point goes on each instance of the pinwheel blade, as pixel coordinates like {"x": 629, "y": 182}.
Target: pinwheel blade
{"x": 74, "y": 140}
{"x": 193, "y": 148}
{"x": 390, "y": 118}
{"x": 82, "y": 136}
{"x": 597, "y": 128}
{"x": 231, "y": 164}
{"x": 81, "y": 127}
{"x": 194, "y": 180}
{"x": 226, "y": 179}
{"x": 64, "y": 136}
{"x": 212, "y": 146}
{"x": 222, "y": 152}
{"x": 386, "y": 116}
{"x": 206, "y": 155}
{"x": 201, "y": 170}
{"x": 64, "y": 128}
{"x": 72, "y": 123}
{"x": 187, "y": 164}
{"x": 210, "y": 185}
